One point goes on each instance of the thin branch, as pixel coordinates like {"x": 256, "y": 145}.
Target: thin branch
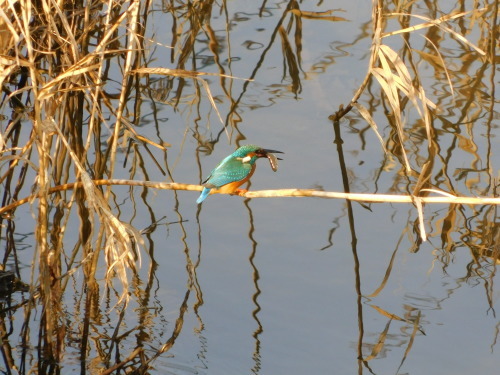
{"x": 359, "y": 197}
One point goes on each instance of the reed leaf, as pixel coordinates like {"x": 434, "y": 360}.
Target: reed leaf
{"x": 439, "y": 23}
{"x": 412, "y": 339}
{"x": 437, "y": 61}
{"x": 369, "y": 119}
{"x": 377, "y": 348}
{"x": 388, "y": 270}
{"x": 325, "y": 16}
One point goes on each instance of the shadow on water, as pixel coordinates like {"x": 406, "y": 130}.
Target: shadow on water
{"x": 121, "y": 280}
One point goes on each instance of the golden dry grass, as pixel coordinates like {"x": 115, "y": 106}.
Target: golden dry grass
{"x": 57, "y": 56}
{"x": 57, "y": 53}
{"x": 399, "y": 86}
{"x": 43, "y": 34}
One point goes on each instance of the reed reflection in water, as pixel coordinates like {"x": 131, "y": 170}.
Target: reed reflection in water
{"x": 388, "y": 99}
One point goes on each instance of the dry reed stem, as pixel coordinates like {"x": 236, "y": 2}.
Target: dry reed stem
{"x": 387, "y": 67}
{"x": 438, "y": 23}
{"x": 84, "y": 74}
{"x": 390, "y": 71}
{"x": 119, "y": 248}
{"x": 132, "y": 13}
{"x": 446, "y": 198}
{"x": 45, "y": 32}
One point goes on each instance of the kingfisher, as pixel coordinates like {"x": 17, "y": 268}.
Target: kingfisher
{"x": 236, "y": 169}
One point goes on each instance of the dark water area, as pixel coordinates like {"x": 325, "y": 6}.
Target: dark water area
{"x": 290, "y": 285}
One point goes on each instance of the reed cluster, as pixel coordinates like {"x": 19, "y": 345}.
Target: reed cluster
{"x": 68, "y": 112}
{"x": 73, "y": 76}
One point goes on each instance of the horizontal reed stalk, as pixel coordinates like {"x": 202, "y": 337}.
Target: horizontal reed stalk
{"x": 293, "y": 192}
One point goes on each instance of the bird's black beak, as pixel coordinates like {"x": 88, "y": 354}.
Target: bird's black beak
{"x": 262, "y": 153}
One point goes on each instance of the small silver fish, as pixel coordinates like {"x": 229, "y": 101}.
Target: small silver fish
{"x": 273, "y": 160}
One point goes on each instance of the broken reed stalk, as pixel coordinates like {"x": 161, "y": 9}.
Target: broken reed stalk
{"x": 283, "y": 193}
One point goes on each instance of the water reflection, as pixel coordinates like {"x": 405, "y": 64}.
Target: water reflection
{"x": 374, "y": 297}
{"x": 255, "y": 313}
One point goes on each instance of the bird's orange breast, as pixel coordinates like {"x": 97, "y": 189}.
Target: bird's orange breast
{"x": 233, "y": 186}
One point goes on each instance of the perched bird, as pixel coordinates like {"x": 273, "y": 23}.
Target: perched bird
{"x": 236, "y": 169}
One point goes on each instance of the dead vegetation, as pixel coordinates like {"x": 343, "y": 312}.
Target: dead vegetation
{"x": 73, "y": 78}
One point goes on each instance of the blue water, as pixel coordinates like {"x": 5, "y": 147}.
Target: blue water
{"x": 268, "y": 286}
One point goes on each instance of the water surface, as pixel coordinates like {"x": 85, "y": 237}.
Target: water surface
{"x": 300, "y": 285}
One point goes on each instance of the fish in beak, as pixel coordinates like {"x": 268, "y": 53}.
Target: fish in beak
{"x": 269, "y": 154}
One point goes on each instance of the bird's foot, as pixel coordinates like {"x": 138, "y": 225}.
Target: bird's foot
{"x": 240, "y": 192}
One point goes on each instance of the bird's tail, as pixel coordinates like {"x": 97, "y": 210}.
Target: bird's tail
{"x": 203, "y": 195}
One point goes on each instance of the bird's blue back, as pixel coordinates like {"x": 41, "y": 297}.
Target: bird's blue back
{"x": 229, "y": 170}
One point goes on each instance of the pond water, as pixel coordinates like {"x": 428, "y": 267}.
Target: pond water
{"x": 298, "y": 285}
